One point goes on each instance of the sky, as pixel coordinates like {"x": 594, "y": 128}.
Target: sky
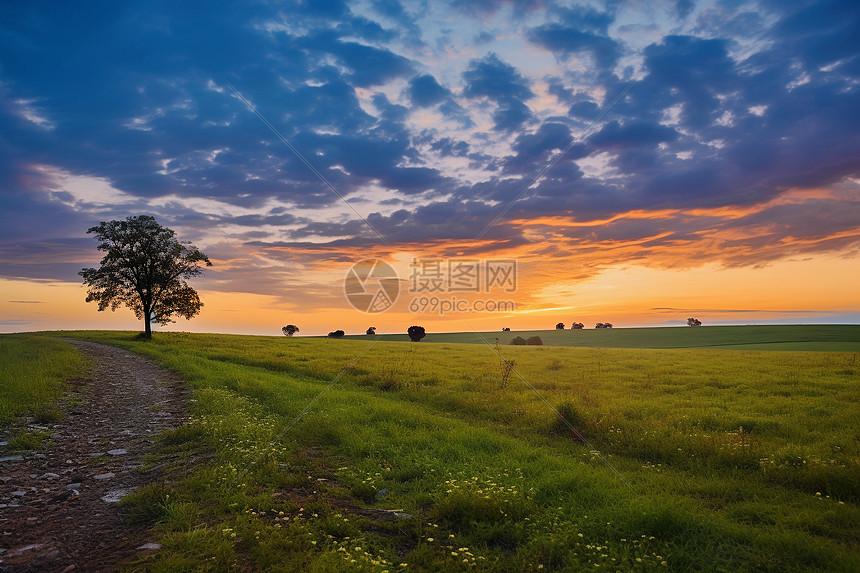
{"x": 517, "y": 163}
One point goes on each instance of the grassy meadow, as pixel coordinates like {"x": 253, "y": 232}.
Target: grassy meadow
{"x": 829, "y": 337}
{"x": 364, "y": 455}
{"x": 32, "y": 372}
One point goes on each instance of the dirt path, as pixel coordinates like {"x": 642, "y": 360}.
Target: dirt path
{"x": 58, "y": 505}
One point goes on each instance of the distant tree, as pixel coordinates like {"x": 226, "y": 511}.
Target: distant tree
{"x": 535, "y": 341}
{"x": 603, "y": 325}
{"x": 290, "y": 329}
{"x": 577, "y": 326}
{"x": 518, "y": 341}
{"x": 144, "y": 269}
{"x": 336, "y": 334}
{"x": 416, "y": 333}
{"x": 559, "y": 326}
{"x": 694, "y": 322}
{"x": 505, "y": 329}
{"x": 371, "y": 331}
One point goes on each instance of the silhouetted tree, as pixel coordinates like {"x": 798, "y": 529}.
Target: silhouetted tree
{"x": 694, "y": 322}
{"x": 144, "y": 269}
{"x": 535, "y": 341}
{"x": 559, "y": 326}
{"x": 371, "y": 331}
{"x": 336, "y": 334}
{"x": 518, "y": 341}
{"x": 416, "y": 333}
{"x": 603, "y": 325}
{"x": 505, "y": 329}
{"x": 290, "y": 329}
{"x": 577, "y": 326}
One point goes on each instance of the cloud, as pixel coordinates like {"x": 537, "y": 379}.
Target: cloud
{"x": 501, "y": 83}
{"x": 565, "y": 41}
{"x": 424, "y": 91}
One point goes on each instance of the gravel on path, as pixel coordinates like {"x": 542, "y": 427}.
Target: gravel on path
{"x": 59, "y": 506}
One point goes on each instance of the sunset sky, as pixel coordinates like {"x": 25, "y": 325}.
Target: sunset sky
{"x": 640, "y": 162}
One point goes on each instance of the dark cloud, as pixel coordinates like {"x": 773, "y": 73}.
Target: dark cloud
{"x": 684, "y": 8}
{"x": 502, "y": 83}
{"x": 492, "y": 78}
{"x": 581, "y": 30}
{"x": 565, "y": 41}
{"x": 533, "y": 151}
{"x": 369, "y": 66}
{"x": 425, "y": 91}
{"x": 634, "y": 133}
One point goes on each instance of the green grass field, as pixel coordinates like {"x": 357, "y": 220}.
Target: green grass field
{"x": 681, "y": 460}
{"x": 841, "y": 337}
{"x": 32, "y": 372}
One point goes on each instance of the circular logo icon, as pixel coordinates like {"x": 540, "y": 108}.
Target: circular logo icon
{"x": 371, "y": 285}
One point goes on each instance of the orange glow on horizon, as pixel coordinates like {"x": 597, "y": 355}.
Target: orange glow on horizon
{"x": 626, "y": 295}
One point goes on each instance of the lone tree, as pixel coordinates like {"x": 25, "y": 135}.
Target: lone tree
{"x": 290, "y": 329}
{"x": 577, "y": 326}
{"x": 559, "y": 326}
{"x": 694, "y": 322}
{"x": 336, "y": 334}
{"x": 371, "y": 331}
{"x": 144, "y": 270}
{"x": 416, "y": 333}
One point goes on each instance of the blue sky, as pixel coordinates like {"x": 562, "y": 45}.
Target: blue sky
{"x": 721, "y": 133}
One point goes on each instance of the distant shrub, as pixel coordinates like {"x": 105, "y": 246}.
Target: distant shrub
{"x": 336, "y": 334}
{"x": 535, "y": 341}
{"x": 577, "y": 326}
{"x": 559, "y": 326}
{"x": 416, "y": 333}
{"x": 371, "y": 331}
{"x": 519, "y": 340}
{"x": 506, "y": 329}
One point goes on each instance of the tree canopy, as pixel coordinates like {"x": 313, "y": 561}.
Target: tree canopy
{"x": 144, "y": 269}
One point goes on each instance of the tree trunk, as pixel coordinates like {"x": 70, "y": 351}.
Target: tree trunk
{"x": 147, "y": 322}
